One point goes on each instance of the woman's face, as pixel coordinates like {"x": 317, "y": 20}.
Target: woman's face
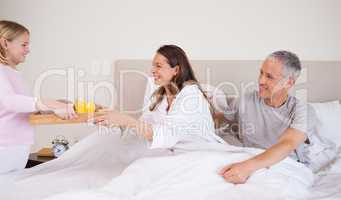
{"x": 162, "y": 72}
{"x": 17, "y": 49}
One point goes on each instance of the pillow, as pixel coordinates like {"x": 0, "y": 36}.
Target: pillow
{"x": 329, "y": 116}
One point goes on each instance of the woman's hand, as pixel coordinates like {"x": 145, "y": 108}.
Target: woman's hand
{"x": 113, "y": 119}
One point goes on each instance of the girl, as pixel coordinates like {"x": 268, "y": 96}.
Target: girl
{"x": 16, "y": 134}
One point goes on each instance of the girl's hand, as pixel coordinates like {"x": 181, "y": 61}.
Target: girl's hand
{"x": 61, "y": 109}
{"x": 65, "y": 112}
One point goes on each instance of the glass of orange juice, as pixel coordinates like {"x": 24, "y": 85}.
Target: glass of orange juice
{"x": 80, "y": 106}
{"x": 90, "y": 107}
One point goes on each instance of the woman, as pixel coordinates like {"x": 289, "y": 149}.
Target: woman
{"x": 16, "y": 134}
{"x": 178, "y": 111}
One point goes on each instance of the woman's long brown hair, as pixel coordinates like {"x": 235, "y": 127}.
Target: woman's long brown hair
{"x": 176, "y": 57}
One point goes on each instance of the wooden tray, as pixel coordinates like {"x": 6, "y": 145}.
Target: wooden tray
{"x": 50, "y": 118}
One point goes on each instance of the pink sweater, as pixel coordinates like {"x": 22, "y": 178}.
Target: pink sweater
{"x": 15, "y": 106}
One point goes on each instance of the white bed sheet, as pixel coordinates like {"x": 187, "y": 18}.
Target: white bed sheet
{"x": 90, "y": 163}
{"x": 193, "y": 174}
{"x": 78, "y": 170}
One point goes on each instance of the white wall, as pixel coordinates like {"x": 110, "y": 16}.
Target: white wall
{"x": 90, "y": 35}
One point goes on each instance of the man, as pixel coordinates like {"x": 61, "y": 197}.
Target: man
{"x": 272, "y": 119}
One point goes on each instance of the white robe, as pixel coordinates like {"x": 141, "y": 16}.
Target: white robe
{"x": 188, "y": 120}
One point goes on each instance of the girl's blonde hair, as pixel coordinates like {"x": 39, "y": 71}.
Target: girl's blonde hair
{"x": 9, "y": 30}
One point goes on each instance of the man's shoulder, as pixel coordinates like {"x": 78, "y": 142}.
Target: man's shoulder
{"x": 300, "y": 107}
{"x": 296, "y": 103}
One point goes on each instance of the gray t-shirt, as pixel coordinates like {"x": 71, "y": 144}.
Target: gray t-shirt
{"x": 261, "y": 125}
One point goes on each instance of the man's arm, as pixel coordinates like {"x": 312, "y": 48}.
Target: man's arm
{"x": 238, "y": 173}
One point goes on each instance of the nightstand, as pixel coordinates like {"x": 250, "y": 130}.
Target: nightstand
{"x": 34, "y": 160}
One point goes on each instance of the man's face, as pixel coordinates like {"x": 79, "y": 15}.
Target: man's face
{"x": 272, "y": 80}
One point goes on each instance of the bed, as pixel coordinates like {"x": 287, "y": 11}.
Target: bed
{"x": 90, "y": 164}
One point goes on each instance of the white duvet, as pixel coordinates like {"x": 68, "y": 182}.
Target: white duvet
{"x": 193, "y": 174}
{"x": 103, "y": 167}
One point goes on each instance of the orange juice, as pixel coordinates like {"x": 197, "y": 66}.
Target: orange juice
{"x": 80, "y": 107}
{"x": 90, "y": 107}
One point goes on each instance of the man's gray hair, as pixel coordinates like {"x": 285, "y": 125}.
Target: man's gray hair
{"x": 290, "y": 61}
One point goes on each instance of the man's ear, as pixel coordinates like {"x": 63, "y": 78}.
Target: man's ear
{"x": 290, "y": 82}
